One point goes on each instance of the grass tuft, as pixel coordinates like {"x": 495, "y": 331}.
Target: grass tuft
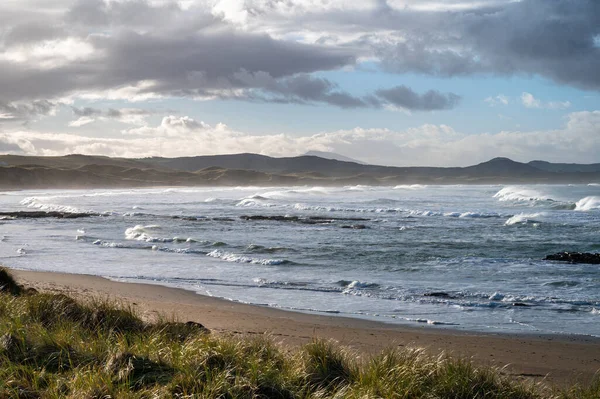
{"x": 52, "y": 346}
{"x": 137, "y": 371}
{"x": 327, "y": 366}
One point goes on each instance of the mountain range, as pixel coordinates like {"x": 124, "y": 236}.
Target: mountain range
{"x": 78, "y": 171}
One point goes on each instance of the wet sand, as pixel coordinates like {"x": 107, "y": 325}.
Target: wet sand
{"x": 556, "y": 359}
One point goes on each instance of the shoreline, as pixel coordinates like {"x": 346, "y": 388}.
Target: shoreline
{"x": 557, "y": 359}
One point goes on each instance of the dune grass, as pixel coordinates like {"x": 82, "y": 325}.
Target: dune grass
{"x": 52, "y": 346}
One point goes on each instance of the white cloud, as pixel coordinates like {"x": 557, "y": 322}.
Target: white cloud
{"x": 500, "y": 99}
{"x": 81, "y": 121}
{"x": 434, "y": 145}
{"x": 530, "y": 101}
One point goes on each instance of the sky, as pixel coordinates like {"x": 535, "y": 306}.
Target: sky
{"x": 391, "y": 82}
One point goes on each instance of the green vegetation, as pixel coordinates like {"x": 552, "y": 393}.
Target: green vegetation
{"x": 52, "y": 346}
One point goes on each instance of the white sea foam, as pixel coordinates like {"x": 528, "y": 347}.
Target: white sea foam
{"x": 410, "y": 187}
{"x": 108, "y": 244}
{"x": 37, "y": 203}
{"x": 524, "y": 218}
{"x": 431, "y": 322}
{"x": 417, "y": 212}
{"x": 141, "y": 233}
{"x": 496, "y": 296}
{"x": 520, "y": 194}
{"x": 231, "y": 257}
{"x": 588, "y": 204}
{"x": 476, "y": 215}
{"x": 255, "y": 201}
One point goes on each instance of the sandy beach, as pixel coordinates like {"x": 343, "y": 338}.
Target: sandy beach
{"x": 556, "y": 359}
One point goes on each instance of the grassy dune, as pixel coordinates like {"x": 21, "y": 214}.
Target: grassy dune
{"x": 52, "y": 346}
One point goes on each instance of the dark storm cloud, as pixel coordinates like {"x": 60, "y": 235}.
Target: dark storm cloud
{"x": 554, "y": 39}
{"x": 306, "y": 89}
{"x": 111, "y": 112}
{"x": 182, "y": 52}
{"x": 197, "y": 53}
{"x": 17, "y": 112}
{"x": 300, "y": 89}
{"x": 405, "y": 97}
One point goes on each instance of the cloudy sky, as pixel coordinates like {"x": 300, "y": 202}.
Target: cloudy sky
{"x": 396, "y": 82}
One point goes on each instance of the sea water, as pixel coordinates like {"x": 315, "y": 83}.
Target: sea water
{"x": 463, "y": 257}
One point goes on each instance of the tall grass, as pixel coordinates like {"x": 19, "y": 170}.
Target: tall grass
{"x": 52, "y": 346}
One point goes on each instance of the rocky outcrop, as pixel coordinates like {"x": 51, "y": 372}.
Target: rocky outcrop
{"x": 42, "y": 214}
{"x": 575, "y": 257}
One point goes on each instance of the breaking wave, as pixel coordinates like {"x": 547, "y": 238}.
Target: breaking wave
{"x": 524, "y": 218}
{"x": 37, "y": 203}
{"x": 521, "y": 194}
{"x": 588, "y": 204}
{"x": 231, "y": 257}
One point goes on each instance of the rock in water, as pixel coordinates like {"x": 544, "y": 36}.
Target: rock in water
{"x": 575, "y": 257}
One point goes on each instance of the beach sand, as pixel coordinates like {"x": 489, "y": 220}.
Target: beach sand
{"x": 556, "y": 359}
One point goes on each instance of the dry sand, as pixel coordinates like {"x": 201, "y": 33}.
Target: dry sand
{"x": 557, "y": 359}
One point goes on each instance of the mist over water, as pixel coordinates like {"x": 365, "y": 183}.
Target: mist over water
{"x": 465, "y": 257}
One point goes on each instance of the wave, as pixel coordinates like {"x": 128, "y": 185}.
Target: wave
{"x": 588, "y": 204}
{"x": 231, "y": 257}
{"x": 477, "y": 215}
{"x": 523, "y": 218}
{"x": 255, "y": 201}
{"x": 37, "y": 203}
{"x": 113, "y": 244}
{"x": 270, "y": 250}
{"x": 410, "y": 187}
{"x": 521, "y": 194}
{"x": 110, "y": 244}
{"x": 140, "y": 233}
{"x": 430, "y": 322}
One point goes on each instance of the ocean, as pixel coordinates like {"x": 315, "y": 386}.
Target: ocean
{"x": 460, "y": 257}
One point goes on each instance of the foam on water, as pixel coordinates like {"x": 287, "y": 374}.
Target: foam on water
{"x": 524, "y": 218}
{"x": 141, "y": 233}
{"x": 410, "y": 187}
{"x": 588, "y": 204}
{"x": 38, "y": 203}
{"x": 231, "y": 257}
{"x": 432, "y": 254}
{"x": 521, "y": 194}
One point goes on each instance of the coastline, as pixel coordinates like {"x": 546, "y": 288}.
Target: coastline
{"x": 557, "y": 359}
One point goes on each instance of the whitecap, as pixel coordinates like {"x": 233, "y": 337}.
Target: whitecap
{"x": 37, "y": 203}
{"x": 140, "y": 233}
{"x": 496, "y": 296}
{"x": 410, "y": 187}
{"x": 588, "y": 204}
{"x": 520, "y": 194}
{"x": 523, "y": 218}
{"x": 231, "y": 257}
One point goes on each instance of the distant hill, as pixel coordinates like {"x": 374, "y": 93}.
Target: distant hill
{"x": 332, "y": 155}
{"x": 78, "y": 171}
{"x": 565, "y": 167}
